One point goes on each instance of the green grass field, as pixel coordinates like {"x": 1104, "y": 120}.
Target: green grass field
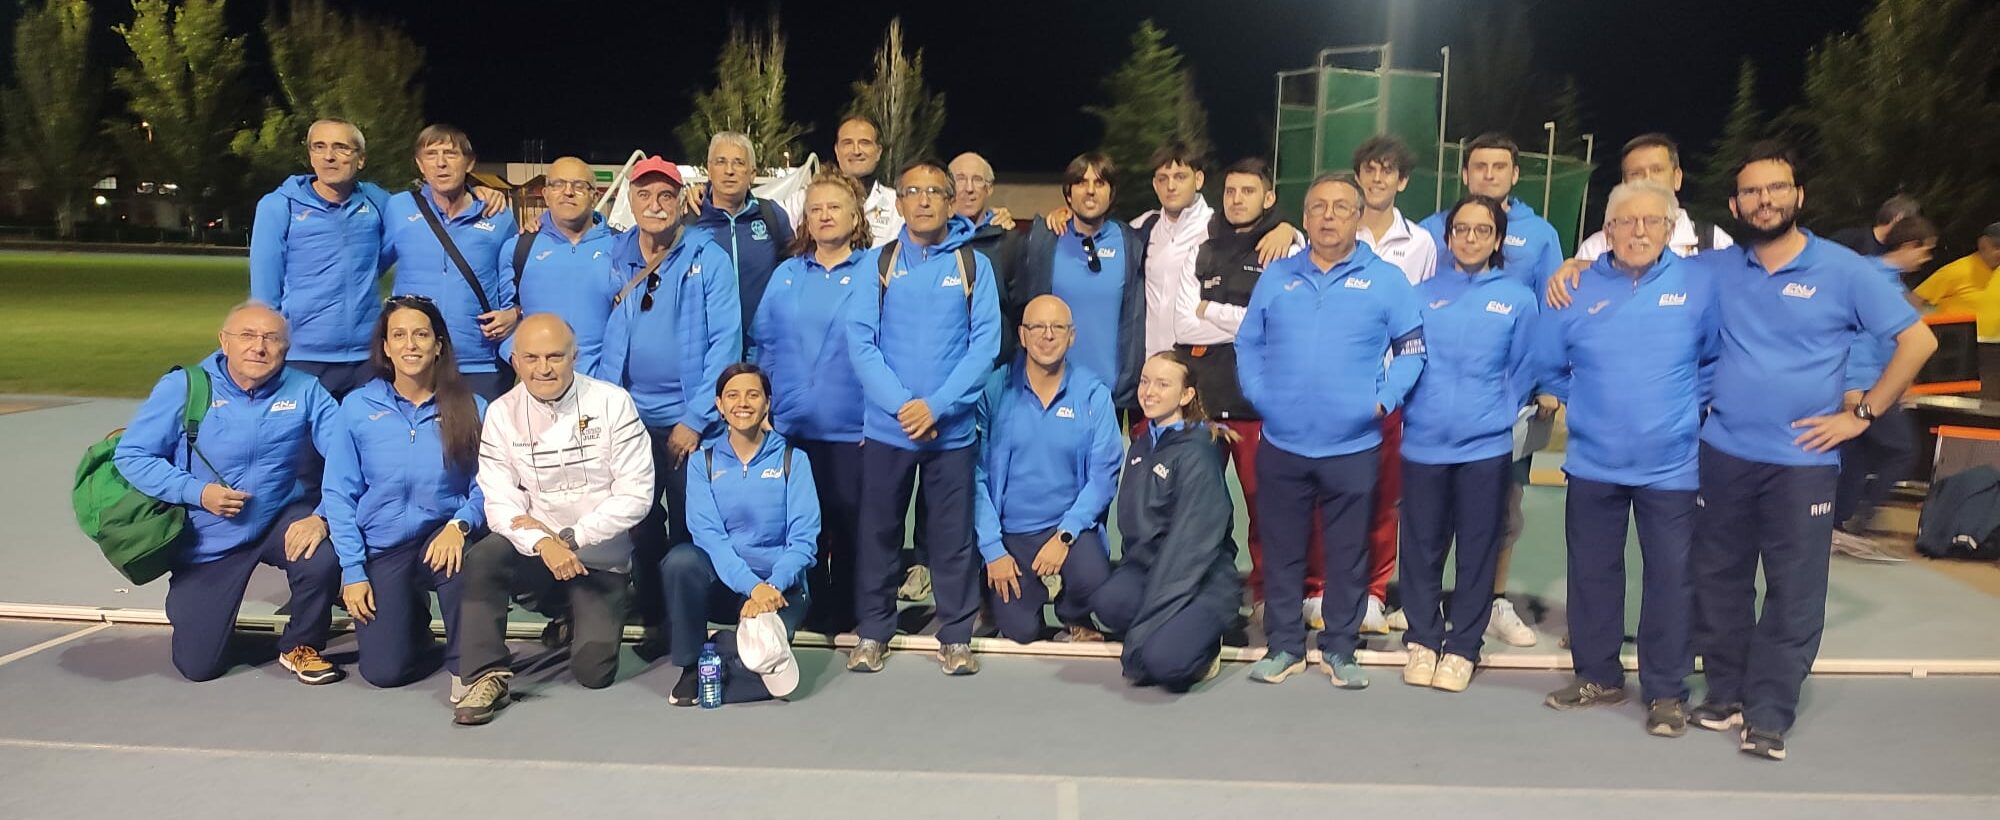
{"x": 85, "y": 324}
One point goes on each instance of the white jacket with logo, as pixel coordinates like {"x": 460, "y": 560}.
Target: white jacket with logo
{"x": 583, "y": 461}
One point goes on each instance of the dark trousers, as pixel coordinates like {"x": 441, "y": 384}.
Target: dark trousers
{"x": 596, "y": 603}
{"x": 1442, "y": 503}
{"x": 889, "y": 474}
{"x": 490, "y": 386}
{"x": 697, "y": 596}
{"x": 203, "y": 599}
{"x": 1088, "y": 564}
{"x": 396, "y": 647}
{"x": 836, "y": 470}
{"x": 1751, "y": 511}
{"x": 1870, "y": 465}
{"x": 1178, "y": 653}
{"x": 1595, "y": 520}
{"x": 339, "y": 378}
{"x": 1243, "y": 451}
{"x": 1341, "y": 489}
{"x": 665, "y": 525}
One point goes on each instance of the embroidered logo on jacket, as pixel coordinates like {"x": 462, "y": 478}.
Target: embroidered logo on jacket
{"x": 759, "y": 233}
{"x": 1161, "y": 470}
{"x": 845, "y": 279}
{"x": 302, "y": 216}
{"x": 1440, "y": 303}
{"x": 1107, "y": 253}
{"x": 1294, "y": 284}
{"x": 283, "y": 405}
{"x": 694, "y": 270}
{"x": 546, "y": 254}
{"x": 377, "y": 415}
{"x": 772, "y": 472}
{"x": 1797, "y": 290}
{"x": 1599, "y": 306}
{"x": 1357, "y": 284}
{"x": 1065, "y": 413}
{"x": 1673, "y": 299}
{"x": 952, "y": 281}
{"x": 483, "y": 226}
{"x": 1516, "y": 241}
{"x": 217, "y": 403}
{"x": 1501, "y": 308}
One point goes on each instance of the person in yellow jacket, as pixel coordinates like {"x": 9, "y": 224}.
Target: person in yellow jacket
{"x": 1966, "y": 286}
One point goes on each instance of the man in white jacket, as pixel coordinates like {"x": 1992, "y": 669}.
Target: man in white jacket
{"x": 567, "y": 471}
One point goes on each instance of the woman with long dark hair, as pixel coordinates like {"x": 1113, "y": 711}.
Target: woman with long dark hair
{"x": 401, "y": 504}
{"x": 1176, "y": 589}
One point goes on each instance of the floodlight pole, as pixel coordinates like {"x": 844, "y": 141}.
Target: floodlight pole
{"x": 1444, "y": 105}
{"x": 1589, "y": 155}
{"x": 1549, "y": 176}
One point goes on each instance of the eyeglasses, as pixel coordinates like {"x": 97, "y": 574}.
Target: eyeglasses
{"x": 652, "y": 284}
{"x": 970, "y": 180}
{"x": 581, "y": 186}
{"x": 406, "y": 299}
{"x": 445, "y": 153}
{"x": 1047, "y": 328}
{"x": 1338, "y": 210}
{"x": 1090, "y": 255}
{"x": 338, "y": 149}
{"x": 925, "y": 192}
{"x": 1771, "y": 191}
{"x": 1463, "y": 230}
{"x": 1625, "y": 223}
{"x": 251, "y": 337}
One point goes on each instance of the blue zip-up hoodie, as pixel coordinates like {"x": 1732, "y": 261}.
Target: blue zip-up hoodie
{"x": 670, "y": 357}
{"x": 386, "y": 477}
{"x": 756, "y": 523}
{"x": 934, "y": 345}
{"x": 571, "y": 280}
{"x": 318, "y": 263}
{"x": 257, "y": 440}
{"x": 1309, "y": 352}
{"x": 424, "y": 269}
{"x": 1633, "y": 359}
{"x": 1065, "y": 456}
{"x": 1532, "y": 249}
{"x": 1871, "y": 353}
{"x": 755, "y": 245}
{"x": 802, "y": 342}
{"x": 1477, "y": 372}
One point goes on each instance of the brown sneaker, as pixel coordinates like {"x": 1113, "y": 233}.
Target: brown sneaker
{"x": 1079, "y": 634}
{"x": 311, "y": 669}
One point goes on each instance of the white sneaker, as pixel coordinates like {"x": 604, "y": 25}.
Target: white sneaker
{"x": 1454, "y": 673}
{"x": 916, "y": 584}
{"x": 1315, "y": 614}
{"x": 1373, "y": 622}
{"x": 458, "y": 690}
{"x": 1861, "y": 547}
{"x": 1398, "y": 622}
{"x": 1506, "y": 625}
{"x": 1422, "y": 666}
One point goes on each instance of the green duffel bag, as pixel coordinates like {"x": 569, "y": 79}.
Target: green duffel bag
{"x": 136, "y": 532}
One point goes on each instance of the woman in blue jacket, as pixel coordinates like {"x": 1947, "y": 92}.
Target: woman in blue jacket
{"x": 816, "y": 397}
{"x": 754, "y": 516}
{"x": 401, "y": 504}
{"x": 1458, "y": 443}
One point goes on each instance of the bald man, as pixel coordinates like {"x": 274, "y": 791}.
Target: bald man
{"x": 567, "y": 471}
{"x": 261, "y": 424}
{"x": 1047, "y": 471}
{"x": 563, "y": 265}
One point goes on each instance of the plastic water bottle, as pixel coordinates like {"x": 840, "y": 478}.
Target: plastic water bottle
{"x": 709, "y": 671}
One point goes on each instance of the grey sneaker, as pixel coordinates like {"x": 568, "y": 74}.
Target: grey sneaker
{"x": 1276, "y": 667}
{"x": 916, "y": 584}
{"x": 867, "y": 656}
{"x": 1583, "y": 695}
{"x": 483, "y": 699}
{"x": 1717, "y": 717}
{"x": 957, "y": 659}
{"x": 1759, "y": 743}
{"x": 458, "y": 689}
{"x": 1345, "y": 671}
{"x": 1667, "y": 717}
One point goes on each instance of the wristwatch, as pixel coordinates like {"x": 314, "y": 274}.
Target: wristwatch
{"x": 1066, "y": 537}
{"x": 568, "y": 537}
{"x": 1863, "y": 412}
{"x": 460, "y": 525}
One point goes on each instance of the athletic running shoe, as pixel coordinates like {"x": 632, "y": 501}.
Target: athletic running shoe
{"x": 1759, "y": 743}
{"x": 1314, "y": 613}
{"x": 1582, "y": 695}
{"x": 957, "y": 659}
{"x": 916, "y": 584}
{"x": 1454, "y": 673}
{"x": 1422, "y": 666}
{"x": 1398, "y": 622}
{"x": 1275, "y": 667}
{"x": 483, "y": 699}
{"x": 1344, "y": 671}
{"x": 1717, "y": 717}
{"x": 1372, "y": 620}
{"x": 1506, "y": 626}
{"x": 1667, "y": 717}
{"x": 687, "y": 690}
{"x": 867, "y": 656}
{"x": 305, "y": 663}
{"x": 1079, "y": 634}
{"x": 458, "y": 689}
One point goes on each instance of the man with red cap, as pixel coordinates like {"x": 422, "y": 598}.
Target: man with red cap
{"x": 676, "y": 323}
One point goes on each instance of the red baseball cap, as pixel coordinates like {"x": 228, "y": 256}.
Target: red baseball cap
{"x": 657, "y": 165}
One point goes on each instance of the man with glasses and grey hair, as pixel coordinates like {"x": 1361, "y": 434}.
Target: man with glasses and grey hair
{"x": 315, "y": 255}
{"x": 755, "y": 231}
{"x": 564, "y": 265}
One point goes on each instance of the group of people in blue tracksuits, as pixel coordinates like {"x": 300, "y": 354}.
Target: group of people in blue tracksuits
{"x": 737, "y": 412}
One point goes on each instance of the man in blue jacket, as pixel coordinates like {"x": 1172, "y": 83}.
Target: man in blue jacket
{"x": 1310, "y": 356}
{"x": 1097, "y": 268}
{"x": 1047, "y": 472}
{"x": 1632, "y": 357}
{"x": 1791, "y": 306}
{"x": 673, "y": 330}
{"x": 755, "y": 231}
{"x": 480, "y": 311}
{"x": 239, "y": 480}
{"x": 316, "y": 256}
{"x": 565, "y": 268}
{"x": 923, "y": 337}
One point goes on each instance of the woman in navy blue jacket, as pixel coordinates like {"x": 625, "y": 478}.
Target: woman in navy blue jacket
{"x": 754, "y": 515}
{"x": 401, "y": 504}
{"x": 816, "y": 397}
{"x": 1458, "y": 442}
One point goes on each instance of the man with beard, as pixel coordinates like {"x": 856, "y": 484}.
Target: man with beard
{"x": 1791, "y": 307}
{"x": 1096, "y": 268}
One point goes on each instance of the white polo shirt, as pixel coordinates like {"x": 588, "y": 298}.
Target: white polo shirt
{"x": 1170, "y": 257}
{"x": 1406, "y": 245}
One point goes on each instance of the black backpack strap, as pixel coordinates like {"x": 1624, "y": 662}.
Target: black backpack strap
{"x": 524, "y": 246}
{"x": 451, "y": 249}
{"x": 708, "y": 460}
{"x": 968, "y": 270}
{"x": 788, "y": 463}
{"x": 884, "y": 261}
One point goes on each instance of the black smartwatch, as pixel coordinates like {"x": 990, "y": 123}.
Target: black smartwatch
{"x": 1863, "y": 412}
{"x": 462, "y": 527}
{"x": 1066, "y": 537}
{"x": 568, "y": 537}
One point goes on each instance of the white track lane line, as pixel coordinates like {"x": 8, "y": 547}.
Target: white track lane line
{"x": 52, "y": 643}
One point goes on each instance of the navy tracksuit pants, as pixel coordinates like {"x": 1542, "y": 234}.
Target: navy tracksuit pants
{"x": 665, "y": 525}
{"x": 396, "y": 647}
{"x": 888, "y": 475}
{"x": 203, "y": 599}
{"x": 1870, "y": 465}
{"x": 836, "y": 467}
{"x": 1179, "y": 651}
{"x": 1083, "y": 571}
{"x": 696, "y": 596}
{"x": 1443, "y": 503}
{"x": 1596, "y": 518}
{"x": 1782, "y": 516}
{"x": 1290, "y": 487}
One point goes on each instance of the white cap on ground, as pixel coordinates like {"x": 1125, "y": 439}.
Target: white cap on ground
{"x": 765, "y": 649}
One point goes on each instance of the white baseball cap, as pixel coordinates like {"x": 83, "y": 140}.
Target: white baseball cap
{"x": 765, "y": 649}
